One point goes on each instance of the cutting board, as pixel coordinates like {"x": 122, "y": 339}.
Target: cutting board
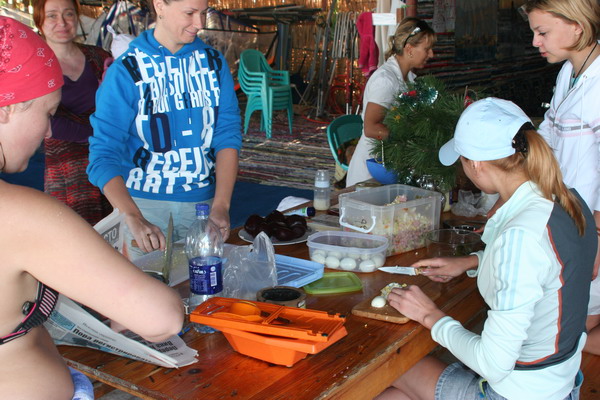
{"x": 387, "y": 312}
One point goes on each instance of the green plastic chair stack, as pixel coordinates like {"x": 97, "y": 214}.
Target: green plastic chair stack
{"x": 342, "y": 130}
{"x": 267, "y": 90}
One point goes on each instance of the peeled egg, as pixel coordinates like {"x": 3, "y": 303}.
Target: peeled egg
{"x": 335, "y": 254}
{"x": 367, "y": 266}
{"x": 378, "y": 260}
{"x": 318, "y": 258}
{"x": 321, "y": 252}
{"x": 332, "y": 262}
{"x": 378, "y": 302}
{"x": 348, "y": 263}
{"x": 356, "y": 256}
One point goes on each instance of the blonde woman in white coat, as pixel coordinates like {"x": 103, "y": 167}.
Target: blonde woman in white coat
{"x": 410, "y": 48}
{"x": 567, "y": 30}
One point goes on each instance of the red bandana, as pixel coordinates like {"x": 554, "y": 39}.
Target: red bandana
{"x": 28, "y": 67}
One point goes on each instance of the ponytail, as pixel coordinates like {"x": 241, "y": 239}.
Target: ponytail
{"x": 538, "y": 162}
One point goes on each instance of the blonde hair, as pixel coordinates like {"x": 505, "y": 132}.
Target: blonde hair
{"x": 585, "y": 13}
{"x": 405, "y": 35}
{"x": 541, "y": 167}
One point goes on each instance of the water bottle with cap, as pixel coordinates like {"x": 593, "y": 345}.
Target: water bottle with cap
{"x": 204, "y": 250}
{"x": 322, "y": 199}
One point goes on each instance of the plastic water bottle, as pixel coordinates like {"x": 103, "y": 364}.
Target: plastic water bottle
{"x": 322, "y": 199}
{"x": 204, "y": 250}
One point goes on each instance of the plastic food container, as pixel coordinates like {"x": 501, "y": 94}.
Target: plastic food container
{"x": 275, "y": 349}
{"x": 401, "y": 213}
{"x": 296, "y": 272}
{"x": 348, "y": 251}
{"x": 335, "y": 282}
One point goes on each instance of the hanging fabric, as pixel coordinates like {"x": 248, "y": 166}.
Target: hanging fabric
{"x": 124, "y": 17}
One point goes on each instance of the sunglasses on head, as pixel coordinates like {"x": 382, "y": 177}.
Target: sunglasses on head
{"x": 421, "y": 26}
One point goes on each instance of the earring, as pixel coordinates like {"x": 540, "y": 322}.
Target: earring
{"x": 160, "y": 17}
{"x": 410, "y": 55}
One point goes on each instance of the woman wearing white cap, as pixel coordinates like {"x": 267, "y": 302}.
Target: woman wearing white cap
{"x": 568, "y": 30}
{"x": 533, "y": 274}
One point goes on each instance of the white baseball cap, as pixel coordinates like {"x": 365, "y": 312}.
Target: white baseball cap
{"x": 484, "y": 131}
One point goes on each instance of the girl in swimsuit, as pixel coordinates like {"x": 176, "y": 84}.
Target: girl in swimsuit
{"x": 42, "y": 240}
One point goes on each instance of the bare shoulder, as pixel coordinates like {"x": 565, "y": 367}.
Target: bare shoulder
{"x": 20, "y": 204}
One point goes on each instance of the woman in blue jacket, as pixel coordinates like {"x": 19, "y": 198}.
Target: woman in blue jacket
{"x": 167, "y": 128}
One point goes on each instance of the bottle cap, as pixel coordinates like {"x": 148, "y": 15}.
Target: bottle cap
{"x": 322, "y": 178}
{"x": 304, "y": 212}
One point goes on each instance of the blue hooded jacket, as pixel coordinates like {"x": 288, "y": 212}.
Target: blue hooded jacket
{"x": 161, "y": 119}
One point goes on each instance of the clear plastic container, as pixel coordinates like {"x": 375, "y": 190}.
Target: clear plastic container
{"x": 452, "y": 242}
{"x": 348, "y": 251}
{"x": 401, "y": 213}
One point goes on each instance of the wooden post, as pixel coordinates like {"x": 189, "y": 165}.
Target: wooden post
{"x": 411, "y": 8}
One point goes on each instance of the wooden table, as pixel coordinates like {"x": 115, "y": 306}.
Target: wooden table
{"x": 359, "y": 366}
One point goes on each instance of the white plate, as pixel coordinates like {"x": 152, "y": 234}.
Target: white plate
{"x": 245, "y": 236}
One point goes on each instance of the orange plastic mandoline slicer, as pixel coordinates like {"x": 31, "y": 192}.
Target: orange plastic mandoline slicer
{"x": 276, "y": 334}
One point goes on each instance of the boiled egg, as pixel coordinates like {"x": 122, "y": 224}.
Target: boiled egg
{"x": 348, "y": 263}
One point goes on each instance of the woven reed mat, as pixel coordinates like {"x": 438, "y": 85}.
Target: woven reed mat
{"x": 284, "y": 159}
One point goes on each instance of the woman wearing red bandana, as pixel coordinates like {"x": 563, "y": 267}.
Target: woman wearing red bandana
{"x": 45, "y": 247}
{"x": 67, "y": 150}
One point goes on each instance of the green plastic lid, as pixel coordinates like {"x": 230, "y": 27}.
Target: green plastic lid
{"x": 334, "y": 282}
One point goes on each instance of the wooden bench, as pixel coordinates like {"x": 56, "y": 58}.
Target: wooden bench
{"x": 590, "y": 365}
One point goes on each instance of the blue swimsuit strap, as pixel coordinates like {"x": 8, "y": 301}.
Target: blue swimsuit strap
{"x": 36, "y": 312}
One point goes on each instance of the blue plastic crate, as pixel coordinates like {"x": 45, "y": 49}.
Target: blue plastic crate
{"x": 296, "y": 272}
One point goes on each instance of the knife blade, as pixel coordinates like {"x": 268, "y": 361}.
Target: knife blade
{"x": 168, "y": 257}
{"x": 400, "y": 270}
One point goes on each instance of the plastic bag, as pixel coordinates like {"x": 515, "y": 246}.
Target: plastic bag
{"x": 249, "y": 269}
{"x": 470, "y": 204}
{"x": 120, "y": 42}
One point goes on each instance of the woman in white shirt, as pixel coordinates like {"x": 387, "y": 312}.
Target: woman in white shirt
{"x": 567, "y": 30}
{"x": 410, "y": 48}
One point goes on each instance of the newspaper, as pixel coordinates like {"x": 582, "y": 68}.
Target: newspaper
{"x": 69, "y": 324}
{"x": 111, "y": 229}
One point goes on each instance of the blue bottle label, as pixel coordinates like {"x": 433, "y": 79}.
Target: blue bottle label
{"x": 206, "y": 275}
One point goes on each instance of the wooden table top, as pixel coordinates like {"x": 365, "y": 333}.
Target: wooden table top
{"x": 359, "y": 366}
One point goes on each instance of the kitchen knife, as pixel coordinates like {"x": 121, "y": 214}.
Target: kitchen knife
{"x": 168, "y": 257}
{"x": 401, "y": 270}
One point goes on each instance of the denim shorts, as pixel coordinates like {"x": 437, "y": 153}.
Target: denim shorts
{"x": 83, "y": 388}
{"x": 459, "y": 382}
